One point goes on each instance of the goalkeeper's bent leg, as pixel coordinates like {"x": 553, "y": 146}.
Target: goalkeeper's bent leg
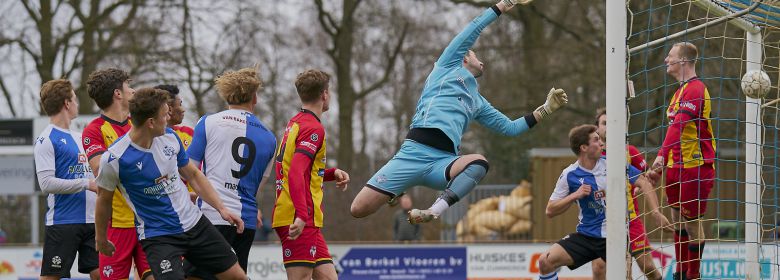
{"x": 462, "y": 184}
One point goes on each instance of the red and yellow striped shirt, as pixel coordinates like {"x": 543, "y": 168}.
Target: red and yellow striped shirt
{"x": 99, "y": 134}
{"x": 689, "y": 139}
{"x": 300, "y": 172}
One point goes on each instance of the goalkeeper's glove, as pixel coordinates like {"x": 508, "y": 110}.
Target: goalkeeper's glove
{"x": 556, "y": 98}
{"x": 511, "y": 3}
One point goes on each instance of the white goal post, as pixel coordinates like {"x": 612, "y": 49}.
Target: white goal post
{"x": 617, "y": 53}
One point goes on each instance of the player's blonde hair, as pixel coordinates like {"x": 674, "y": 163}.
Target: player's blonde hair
{"x": 687, "y": 51}
{"x": 238, "y": 87}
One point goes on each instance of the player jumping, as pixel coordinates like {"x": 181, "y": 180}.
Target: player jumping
{"x": 449, "y": 102}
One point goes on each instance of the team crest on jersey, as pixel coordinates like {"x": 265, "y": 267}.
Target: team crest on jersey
{"x": 108, "y": 270}
{"x": 314, "y": 137}
{"x": 86, "y": 140}
{"x": 165, "y": 265}
{"x": 169, "y": 151}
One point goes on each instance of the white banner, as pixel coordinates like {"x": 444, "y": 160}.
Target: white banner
{"x": 482, "y": 262}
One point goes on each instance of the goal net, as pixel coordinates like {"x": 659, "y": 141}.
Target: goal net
{"x": 741, "y": 222}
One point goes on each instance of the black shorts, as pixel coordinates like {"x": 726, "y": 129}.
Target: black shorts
{"x": 202, "y": 245}
{"x": 583, "y": 248}
{"x": 241, "y": 243}
{"x": 60, "y": 247}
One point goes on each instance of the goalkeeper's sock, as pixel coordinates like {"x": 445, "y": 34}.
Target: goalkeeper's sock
{"x": 695, "y": 251}
{"x": 681, "y": 250}
{"x": 550, "y": 276}
{"x": 460, "y": 186}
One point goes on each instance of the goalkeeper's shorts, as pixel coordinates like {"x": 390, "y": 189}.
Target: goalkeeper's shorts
{"x": 687, "y": 189}
{"x": 414, "y": 164}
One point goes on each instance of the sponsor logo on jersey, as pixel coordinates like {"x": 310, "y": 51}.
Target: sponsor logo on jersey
{"x": 308, "y": 145}
{"x": 164, "y": 185}
{"x": 688, "y": 105}
{"x": 169, "y": 151}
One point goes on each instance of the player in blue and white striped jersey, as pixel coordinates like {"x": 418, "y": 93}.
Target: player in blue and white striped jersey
{"x": 584, "y": 183}
{"x": 63, "y": 172}
{"x": 146, "y": 165}
{"x": 235, "y": 150}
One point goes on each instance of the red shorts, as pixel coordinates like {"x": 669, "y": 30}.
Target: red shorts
{"x": 637, "y": 237}
{"x": 309, "y": 249}
{"x": 127, "y": 249}
{"x": 687, "y": 189}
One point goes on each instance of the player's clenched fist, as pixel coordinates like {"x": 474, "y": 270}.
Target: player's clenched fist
{"x": 583, "y": 191}
{"x": 342, "y": 179}
{"x": 296, "y": 228}
{"x": 105, "y": 247}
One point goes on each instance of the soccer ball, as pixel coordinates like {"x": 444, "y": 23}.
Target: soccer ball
{"x": 756, "y": 84}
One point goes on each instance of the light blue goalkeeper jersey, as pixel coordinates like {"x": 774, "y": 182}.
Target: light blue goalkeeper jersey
{"x": 451, "y": 98}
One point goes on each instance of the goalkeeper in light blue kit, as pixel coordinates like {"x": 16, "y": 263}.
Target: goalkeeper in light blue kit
{"x": 450, "y": 101}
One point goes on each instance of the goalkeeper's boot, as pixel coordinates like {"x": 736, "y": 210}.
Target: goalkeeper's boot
{"x": 417, "y": 216}
{"x": 395, "y": 200}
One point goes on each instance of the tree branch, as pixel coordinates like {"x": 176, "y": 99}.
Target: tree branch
{"x": 392, "y": 58}
{"x": 7, "y": 95}
{"x": 30, "y": 11}
{"x": 326, "y": 21}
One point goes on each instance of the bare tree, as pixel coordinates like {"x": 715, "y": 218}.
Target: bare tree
{"x": 341, "y": 33}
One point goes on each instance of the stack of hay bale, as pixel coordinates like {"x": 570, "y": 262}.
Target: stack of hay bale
{"x": 493, "y": 217}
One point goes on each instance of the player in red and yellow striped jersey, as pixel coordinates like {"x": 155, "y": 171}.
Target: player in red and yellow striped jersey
{"x": 688, "y": 154}
{"x": 300, "y": 172}
{"x": 110, "y": 89}
{"x": 176, "y": 113}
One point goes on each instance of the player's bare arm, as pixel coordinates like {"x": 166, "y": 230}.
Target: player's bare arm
{"x": 102, "y": 214}
{"x": 647, "y": 189}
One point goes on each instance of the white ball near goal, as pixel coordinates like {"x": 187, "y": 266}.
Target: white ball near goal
{"x": 756, "y": 84}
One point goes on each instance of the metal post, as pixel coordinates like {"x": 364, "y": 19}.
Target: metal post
{"x": 616, "y": 121}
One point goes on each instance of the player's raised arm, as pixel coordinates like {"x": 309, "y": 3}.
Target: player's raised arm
{"x": 491, "y": 118}
{"x": 455, "y": 52}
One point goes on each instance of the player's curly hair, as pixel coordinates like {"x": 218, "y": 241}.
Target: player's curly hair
{"x": 238, "y": 87}
{"x": 102, "y": 83}
{"x": 54, "y": 93}
{"x": 146, "y": 104}
{"x": 580, "y": 135}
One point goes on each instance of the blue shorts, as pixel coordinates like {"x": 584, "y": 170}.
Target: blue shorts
{"x": 414, "y": 164}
